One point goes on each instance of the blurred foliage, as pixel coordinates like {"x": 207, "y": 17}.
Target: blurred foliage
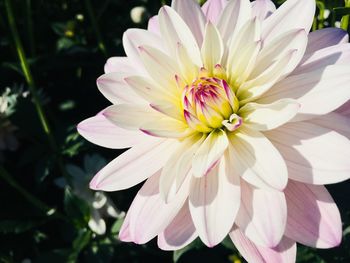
{"x": 67, "y": 43}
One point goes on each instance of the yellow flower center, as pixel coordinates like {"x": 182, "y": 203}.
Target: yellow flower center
{"x": 209, "y": 103}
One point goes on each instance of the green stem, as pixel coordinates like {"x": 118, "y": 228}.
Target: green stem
{"x": 27, "y": 73}
{"x": 32, "y": 87}
{"x": 344, "y": 24}
{"x": 28, "y": 196}
{"x": 96, "y": 28}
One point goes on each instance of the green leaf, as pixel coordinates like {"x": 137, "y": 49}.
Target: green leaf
{"x": 80, "y": 242}
{"x": 77, "y": 209}
{"x": 116, "y": 226}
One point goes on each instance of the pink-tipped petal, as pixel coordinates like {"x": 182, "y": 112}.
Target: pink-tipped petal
{"x": 120, "y": 64}
{"x": 233, "y": 17}
{"x": 262, "y": 9}
{"x": 193, "y": 16}
{"x": 313, "y": 154}
{"x": 115, "y": 89}
{"x": 214, "y": 202}
{"x": 326, "y": 37}
{"x": 283, "y": 19}
{"x": 101, "y": 131}
{"x": 153, "y": 25}
{"x": 284, "y": 252}
{"x": 134, "y": 166}
{"x": 179, "y": 233}
{"x": 148, "y": 214}
{"x": 212, "y": 9}
{"x": 313, "y": 217}
{"x": 262, "y": 216}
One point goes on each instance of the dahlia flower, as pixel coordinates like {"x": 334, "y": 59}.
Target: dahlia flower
{"x": 229, "y": 111}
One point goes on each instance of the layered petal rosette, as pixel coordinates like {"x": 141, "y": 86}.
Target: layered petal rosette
{"x": 230, "y": 113}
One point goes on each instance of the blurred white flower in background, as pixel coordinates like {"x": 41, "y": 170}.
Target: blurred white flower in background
{"x": 138, "y": 14}
{"x": 101, "y": 206}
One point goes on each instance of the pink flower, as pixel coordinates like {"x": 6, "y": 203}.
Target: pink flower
{"x": 229, "y": 112}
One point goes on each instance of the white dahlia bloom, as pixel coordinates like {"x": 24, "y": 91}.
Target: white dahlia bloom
{"x": 228, "y": 110}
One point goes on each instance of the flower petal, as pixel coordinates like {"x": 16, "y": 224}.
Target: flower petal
{"x": 209, "y": 153}
{"x": 214, "y": 202}
{"x": 101, "y": 131}
{"x": 319, "y": 92}
{"x": 313, "y": 217}
{"x": 134, "y": 38}
{"x": 174, "y": 30}
{"x": 233, "y": 17}
{"x": 116, "y": 90}
{"x": 148, "y": 214}
{"x": 262, "y": 9}
{"x": 213, "y": 47}
{"x": 265, "y": 117}
{"x": 262, "y": 215}
{"x": 285, "y": 252}
{"x": 130, "y": 116}
{"x": 314, "y": 154}
{"x": 178, "y": 166}
{"x": 256, "y": 159}
{"x": 283, "y": 19}
{"x": 120, "y": 64}
{"x": 134, "y": 166}
{"x": 212, "y": 9}
{"x": 153, "y": 25}
{"x": 328, "y": 121}
{"x": 165, "y": 127}
{"x": 179, "y": 233}
{"x": 192, "y": 15}
{"x": 320, "y": 59}
{"x": 326, "y": 37}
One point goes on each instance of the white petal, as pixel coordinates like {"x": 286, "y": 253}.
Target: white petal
{"x": 213, "y": 47}
{"x": 161, "y": 68}
{"x": 319, "y": 92}
{"x": 179, "y": 233}
{"x": 178, "y": 166}
{"x": 96, "y": 223}
{"x": 174, "y": 30}
{"x": 192, "y": 15}
{"x": 262, "y": 216}
{"x": 264, "y": 117}
{"x": 134, "y": 166}
{"x": 134, "y": 38}
{"x": 129, "y": 116}
{"x": 233, "y": 17}
{"x": 166, "y": 127}
{"x": 102, "y": 132}
{"x": 314, "y": 154}
{"x": 256, "y": 87}
{"x": 313, "y": 217}
{"x": 334, "y": 121}
{"x": 120, "y": 64}
{"x": 326, "y": 37}
{"x": 213, "y": 9}
{"x": 283, "y": 19}
{"x": 279, "y": 47}
{"x": 116, "y": 90}
{"x": 285, "y": 252}
{"x": 262, "y": 9}
{"x": 256, "y": 159}
{"x": 209, "y": 152}
{"x": 320, "y": 59}
{"x": 214, "y": 202}
{"x": 148, "y": 214}
{"x": 153, "y": 25}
